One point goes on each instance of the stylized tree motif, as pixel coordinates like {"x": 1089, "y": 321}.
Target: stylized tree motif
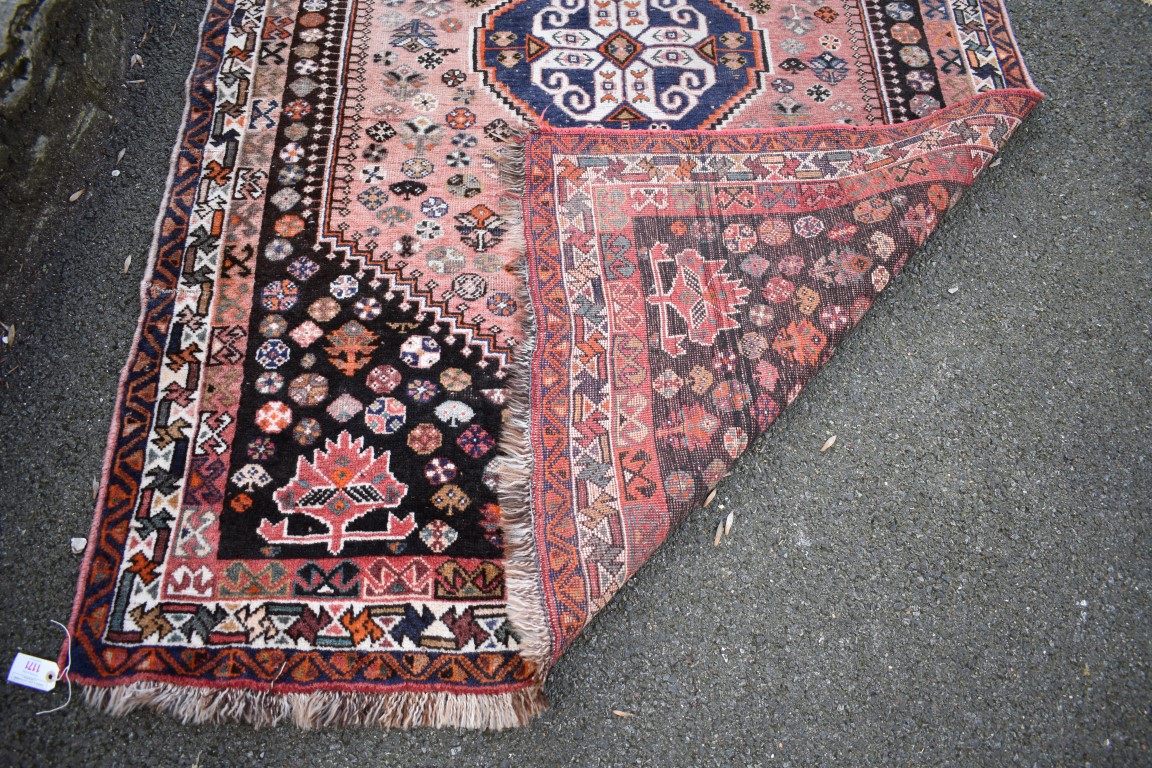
{"x": 408, "y": 189}
{"x": 350, "y": 346}
{"x": 451, "y": 499}
{"x": 454, "y": 413}
{"x": 343, "y": 483}
{"x": 701, "y": 293}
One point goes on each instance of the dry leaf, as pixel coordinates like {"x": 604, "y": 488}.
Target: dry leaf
{"x": 76, "y": 195}
{"x": 728, "y": 523}
{"x": 828, "y": 444}
{"x": 136, "y": 61}
{"x": 711, "y": 497}
{"x": 127, "y": 263}
{"x": 719, "y": 534}
{"x": 622, "y": 713}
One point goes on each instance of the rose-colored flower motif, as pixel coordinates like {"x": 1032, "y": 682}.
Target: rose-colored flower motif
{"x": 424, "y": 439}
{"x": 767, "y": 375}
{"x": 778, "y": 290}
{"x": 699, "y": 426}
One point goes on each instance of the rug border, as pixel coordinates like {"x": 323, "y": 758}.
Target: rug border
{"x": 142, "y": 315}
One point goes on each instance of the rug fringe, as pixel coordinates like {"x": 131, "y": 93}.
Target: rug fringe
{"x": 521, "y": 566}
{"x": 327, "y": 709}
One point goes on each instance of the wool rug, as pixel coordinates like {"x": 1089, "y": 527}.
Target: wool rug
{"x": 456, "y": 308}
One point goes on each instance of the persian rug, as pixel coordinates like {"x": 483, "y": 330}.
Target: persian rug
{"x": 456, "y": 307}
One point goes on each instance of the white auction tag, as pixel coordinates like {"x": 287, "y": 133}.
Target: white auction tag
{"x": 40, "y": 674}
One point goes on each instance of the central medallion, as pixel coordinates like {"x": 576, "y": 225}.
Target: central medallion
{"x": 621, "y": 63}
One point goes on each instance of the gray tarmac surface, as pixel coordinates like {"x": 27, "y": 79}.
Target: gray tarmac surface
{"x": 963, "y": 579}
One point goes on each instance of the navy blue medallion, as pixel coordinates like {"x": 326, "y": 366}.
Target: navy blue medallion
{"x": 676, "y": 64}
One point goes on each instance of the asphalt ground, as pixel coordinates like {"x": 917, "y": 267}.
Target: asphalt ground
{"x": 963, "y": 579}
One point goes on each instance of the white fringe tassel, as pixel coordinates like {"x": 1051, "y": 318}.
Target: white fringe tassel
{"x": 326, "y": 709}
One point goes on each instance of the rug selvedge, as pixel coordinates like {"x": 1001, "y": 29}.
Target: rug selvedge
{"x": 320, "y": 500}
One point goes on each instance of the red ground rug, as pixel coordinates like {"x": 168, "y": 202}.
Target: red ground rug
{"x": 457, "y": 307}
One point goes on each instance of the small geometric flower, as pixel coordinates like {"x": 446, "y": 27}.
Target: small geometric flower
{"x": 428, "y": 230}
{"x": 273, "y": 326}
{"x": 422, "y": 390}
{"x": 373, "y": 173}
{"x": 343, "y": 408}
{"x": 306, "y": 431}
{"x": 308, "y": 389}
{"x": 417, "y": 167}
{"x": 306, "y": 333}
{"x": 344, "y": 287}
{"x": 420, "y": 351}
{"x": 367, "y": 308}
{"x": 261, "y": 449}
{"x": 372, "y": 198}
{"x": 269, "y": 383}
{"x": 273, "y": 353}
{"x": 324, "y": 309}
{"x": 434, "y": 207}
{"x": 502, "y": 304}
{"x": 273, "y": 417}
{"x": 460, "y": 118}
{"x": 424, "y": 439}
{"x": 303, "y": 268}
{"x": 668, "y": 383}
{"x": 455, "y": 379}
{"x": 464, "y": 140}
{"x": 385, "y": 416}
{"x": 440, "y": 471}
{"x": 438, "y": 536}
{"x": 808, "y": 226}
{"x": 778, "y": 290}
{"x": 279, "y": 296}
{"x": 475, "y": 441}
{"x": 383, "y": 379}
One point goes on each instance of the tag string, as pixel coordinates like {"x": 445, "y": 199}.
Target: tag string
{"x": 63, "y": 674}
